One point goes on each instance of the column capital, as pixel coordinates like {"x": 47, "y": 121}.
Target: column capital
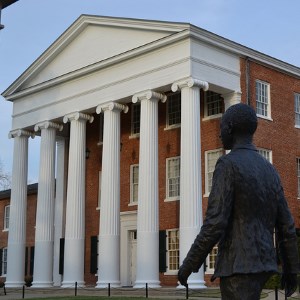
{"x": 189, "y": 82}
{"x": 47, "y": 124}
{"x": 147, "y": 95}
{"x": 20, "y": 132}
{"x": 77, "y": 116}
{"x": 111, "y": 106}
{"x": 231, "y": 98}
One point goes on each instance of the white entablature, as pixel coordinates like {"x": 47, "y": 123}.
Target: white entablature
{"x": 103, "y": 59}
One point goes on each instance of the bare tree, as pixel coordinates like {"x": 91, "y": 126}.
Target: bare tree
{"x": 5, "y": 178}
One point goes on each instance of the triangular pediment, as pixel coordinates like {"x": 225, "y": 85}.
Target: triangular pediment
{"x": 90, "y": 40}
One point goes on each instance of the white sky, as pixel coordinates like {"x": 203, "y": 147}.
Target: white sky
{"x": 31, "y": 26}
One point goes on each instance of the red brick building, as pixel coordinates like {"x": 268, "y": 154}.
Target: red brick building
{"x": 128, "y": 183}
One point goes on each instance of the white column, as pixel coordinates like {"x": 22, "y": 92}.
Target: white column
{"x": 109, "y": 228}
{"x": 60, "y": 205}
{"x": 231, "y": 99}
{"x": 75, "y": 211}
{"x": 43, "y": 254}
{"x": 18, "y": 208}
{"x": 191, "y": 218}
{"x": 148, "y": 201}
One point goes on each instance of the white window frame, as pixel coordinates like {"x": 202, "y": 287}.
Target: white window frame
{"x": 263, "y": 97}
{"x": 298, "y": 176}
{"x": 266, "y": 153}
{"x": 177, "y": 197}
{"x": 211, "y": 259}
{"x": 4, "y": 261}
{"x": 209, "y": 173}
{"x": 171, "y": 99}
{"x": 174, "y": 250}
{"x": 133, "y": 120}
{"x": 220, "y": 103}
{"x": 133, "y": 184}
{"x": 99, "y": 190}
{"x": 297, "y": 110}
{"x": 6, "y": 218}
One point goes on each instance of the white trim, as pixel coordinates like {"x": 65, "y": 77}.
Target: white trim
{"x": 173, "y": 95}
{"x": 171, "y": 272}
{"x": 175, "y": 198}
{"x": 6, "y": 216}
{"x": 268, "y": 104}
{"x": 207, "y": 192}
{"x": 217, "y": 116}
{"x": 269, "y": 151}
{"x": 206, "y": 116}
{"x": 132, "y": 167}
{"x": 297, "y": 108}
{"x": 207, "y": 261}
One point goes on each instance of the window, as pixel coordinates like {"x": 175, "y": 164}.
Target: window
{"x": 298, "y": 175}
{"x": 174, "y": 110}
{"x": 173, "y": 178}
{"x": 6, "y": 217}
{"x": 211, "y": 260}
{"x": 211, "y": 158}
{"x": 173, "y": 250}
{"x": 134, "y": 183}
{"x": 297, "y": 110}
{"x": 263, "y": 107}
{"x": 267, "y": 154}
{"x": 213, "y": 104}
{"x": 4, "y": 261}
{"x": 135, "y": 119}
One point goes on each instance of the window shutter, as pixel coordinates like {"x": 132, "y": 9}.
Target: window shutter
{"x": 162, "y": 251}
{"x": 31, "y": 261}
{"x": 61, "y": 255}
{"x": 94, "y": 255}
{"x": 1, "y": 253}
{"x": 26, "y": 260}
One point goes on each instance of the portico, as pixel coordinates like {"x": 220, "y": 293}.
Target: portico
{"x": 123, "y": 61}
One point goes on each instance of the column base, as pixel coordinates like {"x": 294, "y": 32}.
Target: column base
{"x": 71, "y": 284}
{"x": 141, "y": 284}
{"x": 194, "y": 284}
{"x": 14, "y": 284}
{"x": 41, "y": 284}
{"x": 104, "y": 284}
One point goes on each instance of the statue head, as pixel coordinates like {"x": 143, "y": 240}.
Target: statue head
{"x": 238, "y": 124}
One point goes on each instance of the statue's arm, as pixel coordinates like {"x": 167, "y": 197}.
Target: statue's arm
{"x": 217, "y": 215}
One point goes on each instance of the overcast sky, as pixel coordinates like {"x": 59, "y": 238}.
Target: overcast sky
{"x": 31, "y": 26}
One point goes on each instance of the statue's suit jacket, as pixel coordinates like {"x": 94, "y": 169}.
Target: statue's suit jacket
{"x": 245, "y": 205}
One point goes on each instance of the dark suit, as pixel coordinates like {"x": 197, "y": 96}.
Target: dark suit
{"x": 246, "y": 203}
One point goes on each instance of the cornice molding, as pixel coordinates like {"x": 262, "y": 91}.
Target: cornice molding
{"x": 112, "y": 106}
{"x": 76, "y": 116}
{"x": 178, "y": 31}
{"x": 46, "y": 125}
{"x": 189, "y": 82}
{"x": 19, "y": 133}
{"x": 149, "y": 95}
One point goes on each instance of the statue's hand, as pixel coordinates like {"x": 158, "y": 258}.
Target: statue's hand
{"x": 183, "y": 274}
{"x": 289, "y": 283}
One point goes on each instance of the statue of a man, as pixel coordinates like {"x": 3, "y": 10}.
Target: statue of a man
{"x": 246, "y": 205}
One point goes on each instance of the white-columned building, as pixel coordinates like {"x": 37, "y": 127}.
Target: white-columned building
{"x": 99, "y": 74}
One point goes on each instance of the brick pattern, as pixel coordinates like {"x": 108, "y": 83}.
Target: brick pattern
{"x": 279, "y": 135}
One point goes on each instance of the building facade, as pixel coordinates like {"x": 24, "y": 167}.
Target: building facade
{"x": 128, "y": 114}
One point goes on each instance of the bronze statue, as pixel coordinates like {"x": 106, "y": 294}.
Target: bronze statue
{"x": 245, "y": 206}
